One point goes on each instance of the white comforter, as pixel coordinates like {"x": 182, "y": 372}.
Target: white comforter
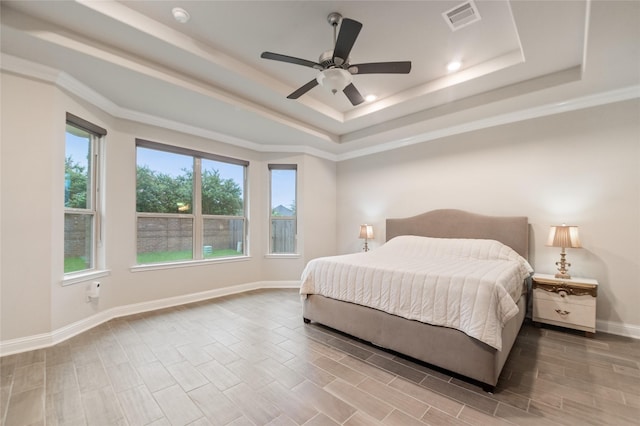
{"x": 470, "y": 285}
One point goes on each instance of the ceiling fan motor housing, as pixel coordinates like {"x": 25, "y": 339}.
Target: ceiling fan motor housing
{"x": 327, "y": 61}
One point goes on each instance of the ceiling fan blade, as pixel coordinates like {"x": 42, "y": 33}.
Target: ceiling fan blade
{"x": 291, "y": 60}
{"x": 304, "y": 89}
{"x": 354, "y": 96}
{"x": 403, "y": 67}
{"x": 349, "y": 30}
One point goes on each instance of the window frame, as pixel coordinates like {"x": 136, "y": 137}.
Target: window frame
{"x": 295, "y": 252}
{"x": 196, "y": 215}
{"x": 94, "y": 209}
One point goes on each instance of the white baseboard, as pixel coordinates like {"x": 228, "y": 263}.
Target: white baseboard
{"x": 59, "y": 335}
{"x": 618, "y": 328}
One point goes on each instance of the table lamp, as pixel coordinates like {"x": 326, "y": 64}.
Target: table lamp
{"x": 366, "y": 232}
{"x": 565, "y": 237}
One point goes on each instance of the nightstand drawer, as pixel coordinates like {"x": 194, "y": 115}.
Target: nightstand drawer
{"x": 563, "y": 297}
{"x": 563, "y": 302}
{"x": 563, "y": 312}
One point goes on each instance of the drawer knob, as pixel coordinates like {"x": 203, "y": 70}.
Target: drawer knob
{"x": 561, "y": 312}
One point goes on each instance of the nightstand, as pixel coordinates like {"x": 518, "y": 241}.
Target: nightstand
{"x": 567, "y": 303}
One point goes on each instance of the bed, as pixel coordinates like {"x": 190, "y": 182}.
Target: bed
{"x": 337, "y": 291}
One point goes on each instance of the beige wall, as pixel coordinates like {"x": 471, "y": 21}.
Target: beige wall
{"x": 32, "y": 299}
{"x": 580, "y": 168}
{"x": 316, "y": 213}
{"x": 26, "y": 220}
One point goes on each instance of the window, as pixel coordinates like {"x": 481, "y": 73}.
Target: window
{"x": 81, "y": 189}
{"x": 283, "y": 208}
{"x": 190, "y": 205}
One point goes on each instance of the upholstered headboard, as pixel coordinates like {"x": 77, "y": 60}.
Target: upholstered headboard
{"x": 449, "y": 223}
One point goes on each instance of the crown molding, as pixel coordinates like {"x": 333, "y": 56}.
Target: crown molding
{"x": 64, "y": 81}
{"x": 28, "y": 68}
{"x": 589, "y": 101}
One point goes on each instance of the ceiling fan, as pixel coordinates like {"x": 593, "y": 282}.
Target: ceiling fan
{"x": 335, "y": 70}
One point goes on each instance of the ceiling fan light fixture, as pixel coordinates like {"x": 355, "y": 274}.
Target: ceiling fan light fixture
{"x": 180, "y": 15}
{"x": 334, "y": 79}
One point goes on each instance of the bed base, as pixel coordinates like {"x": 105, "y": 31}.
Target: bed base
{"x": 442, "y": 347}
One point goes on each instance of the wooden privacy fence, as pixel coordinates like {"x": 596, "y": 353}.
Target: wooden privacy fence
{"x": 162, "y": 234}
{"x": 283, "y": 235}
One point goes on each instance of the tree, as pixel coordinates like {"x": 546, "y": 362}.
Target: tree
{"x": 161, "y": 193}
{"x": 75, "y": 186}
{"x": 220, "y": 196}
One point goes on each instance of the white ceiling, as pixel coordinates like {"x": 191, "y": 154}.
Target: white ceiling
{"x": 206, "y": 76}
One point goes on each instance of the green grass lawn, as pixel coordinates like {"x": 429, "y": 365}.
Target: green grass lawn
{"x": 73, "y": 264}
{"x": 167, "y": 256}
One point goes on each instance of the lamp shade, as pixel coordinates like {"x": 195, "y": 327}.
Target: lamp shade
{"x": 334, "y": 79}
{"x": 564, "y": 236}
{"x": 366, "y": 231}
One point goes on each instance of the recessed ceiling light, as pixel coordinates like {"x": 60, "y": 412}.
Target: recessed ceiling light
{"x": 370, "y": 98}
{"x": 454, "y": 66}
{"x": 180, "y": 15}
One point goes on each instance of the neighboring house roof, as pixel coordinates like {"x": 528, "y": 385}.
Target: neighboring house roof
{"x": 282, "y": 211}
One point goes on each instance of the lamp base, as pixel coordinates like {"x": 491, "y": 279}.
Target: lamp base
{"x": 563, "y": 265}
{"x": 563, "y": 276}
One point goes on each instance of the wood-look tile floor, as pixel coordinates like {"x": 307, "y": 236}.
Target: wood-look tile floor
{"x": 249, "y": 360}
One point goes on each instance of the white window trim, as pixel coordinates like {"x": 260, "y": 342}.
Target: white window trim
{"x": 282, "y": 256}
{"x": 81, "y": 277}
{"x": 187, "y": 263}
{"x": 96, "y": 166}
{"x": 296, "y": 252}
{"x": 198, "y": 218}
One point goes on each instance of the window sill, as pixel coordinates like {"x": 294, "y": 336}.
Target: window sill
{"x": 282, "y": 256}
{"x": 84, "y": 276}
{"x": 186, "y": 264}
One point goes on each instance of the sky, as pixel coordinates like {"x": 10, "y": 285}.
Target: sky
{"x": 78, "y": 148}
